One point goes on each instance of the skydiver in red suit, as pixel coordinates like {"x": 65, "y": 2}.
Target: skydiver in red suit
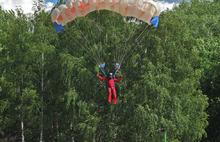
{"x": 110, "y": 84}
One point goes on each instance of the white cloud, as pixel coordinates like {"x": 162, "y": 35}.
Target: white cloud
{"x": 164, "y": 5}
{"x": 25, "y": 4}
{"x": 11, "y": 4}
{"x": 49, "y": 6}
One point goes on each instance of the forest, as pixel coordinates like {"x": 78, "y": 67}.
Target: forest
{"x": 49, "y": 90}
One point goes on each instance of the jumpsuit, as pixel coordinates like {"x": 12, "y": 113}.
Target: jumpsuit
{"x": 110, "y": 84}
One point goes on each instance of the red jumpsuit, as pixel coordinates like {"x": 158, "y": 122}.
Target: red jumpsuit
{"x": 110, "y": 84}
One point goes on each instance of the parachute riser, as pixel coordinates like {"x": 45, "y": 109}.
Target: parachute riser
{"x": 116, "y": 70}
{"x": 103, "y": 71}
{"x": 101, "y": 66}
{"x": 117, "y": 65}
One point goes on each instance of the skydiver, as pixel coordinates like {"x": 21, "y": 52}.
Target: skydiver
{"x": 110, "y": 84}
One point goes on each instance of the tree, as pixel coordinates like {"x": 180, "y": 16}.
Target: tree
{"x": 63, "y": 100}
{"x": 15, "y": 69}
{"x": 202, "y": 21}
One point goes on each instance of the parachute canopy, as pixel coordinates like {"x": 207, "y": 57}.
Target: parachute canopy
{"x": 145, "y": 10}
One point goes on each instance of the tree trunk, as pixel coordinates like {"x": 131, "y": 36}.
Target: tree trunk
{"x": 42, "y": 114}
{"x": 22, "y": 129}
{"x": 58, "y": 133}
{"x": 140, "y": 138}
{"x": 115, "y": 135}
{"x": 22, "y": 122}
{"x": 71, "y": 132}
{"x": 42, "y": 99}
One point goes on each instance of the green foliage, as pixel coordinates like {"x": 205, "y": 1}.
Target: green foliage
{"x": 48, "y": 80}
{"x": 202, "y": 20}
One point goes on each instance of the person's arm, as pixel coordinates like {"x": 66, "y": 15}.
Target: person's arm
{"x": 101, "y": 78}
{"x": 118, "y": 80}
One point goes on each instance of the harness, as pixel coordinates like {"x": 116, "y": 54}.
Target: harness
{"x": 107, "y": 79}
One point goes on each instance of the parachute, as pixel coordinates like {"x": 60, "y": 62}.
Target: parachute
{"x": 147, "y": 11}
{"x": 143, "y": 10}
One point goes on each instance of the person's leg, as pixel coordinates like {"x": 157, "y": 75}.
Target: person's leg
{"x": 109, "y": 94}
{"x": 114, "y": 95}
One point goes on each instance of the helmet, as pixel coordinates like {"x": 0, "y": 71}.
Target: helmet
{"x": 110, "y": 74}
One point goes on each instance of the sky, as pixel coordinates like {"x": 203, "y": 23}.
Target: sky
{"x": 28, "y": 4}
